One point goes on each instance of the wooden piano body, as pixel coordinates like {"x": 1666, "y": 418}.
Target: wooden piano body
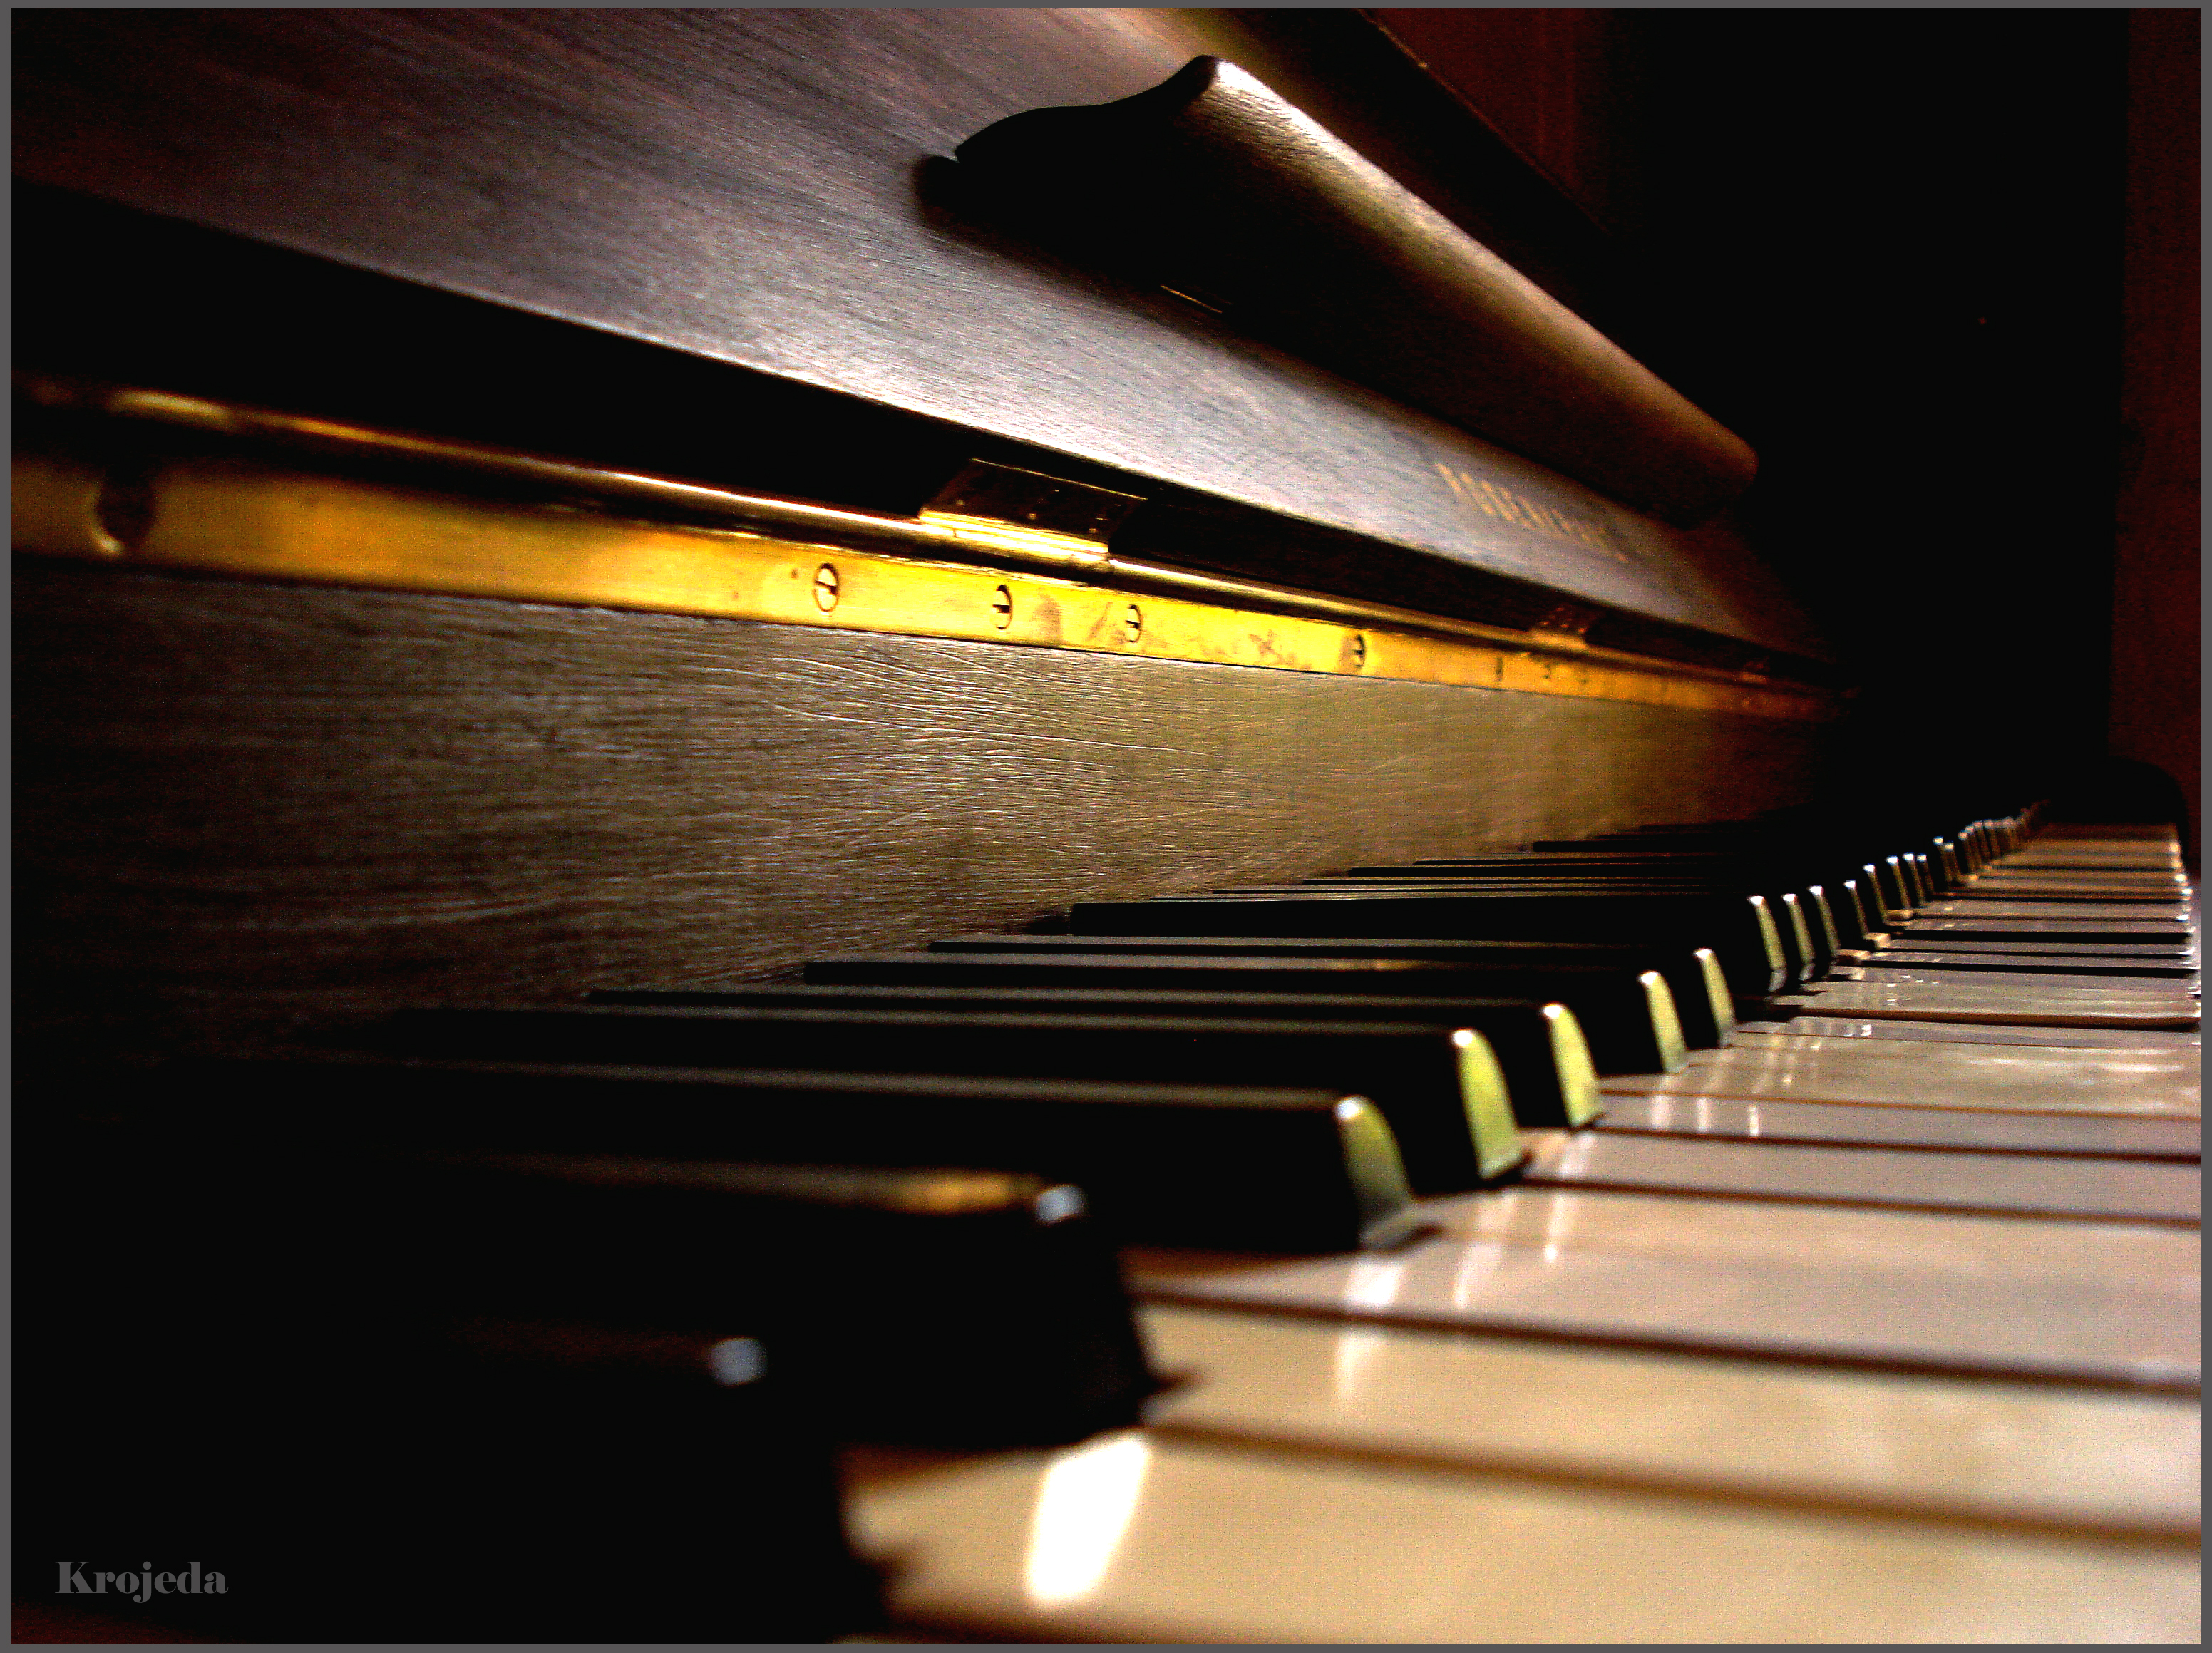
{"x": 329, "y": 704}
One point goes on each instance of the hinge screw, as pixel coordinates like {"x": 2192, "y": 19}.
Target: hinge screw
{"x": 1002, "y": 607}
{"x": 1132, "y": 623}
{"x": 122, "y": 511}
{"x": 825, "y": 588}
{"x": 1358, "y": 650}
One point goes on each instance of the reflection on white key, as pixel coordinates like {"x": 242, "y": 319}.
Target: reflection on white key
{"x": 1375, "y": 1284}
{"x": 1897, "y": 1072}
{"x": 1793, "y": 1296}
{"x": 1084, "y": 1503}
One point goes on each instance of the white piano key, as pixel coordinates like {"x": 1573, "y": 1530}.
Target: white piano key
{"x": 2102, "y": 895}
{"x": 2164, "y": 1261}
{"x": 1788, "y": 1034}
{"x": 2111, "y": 1329}
{"x": 2046, "y": 1009}
{"x": 2055, "y": 947}
{"x": 1896, "y": 972}
{"x": 1853, "y": 1125}
{"x": 2165, "y": 932}
{"x": 1131, "y": 1538}
{"x": 2072, "y": 912}
{"x": 2119, "y": 885}
{"x": 2037, "y": 1454}
{"x": 2039, "y": 1078}
{"x": 2072, "y": 992}
{"x": 1984, "y": 964}
{"x": 2103, "y": 1190}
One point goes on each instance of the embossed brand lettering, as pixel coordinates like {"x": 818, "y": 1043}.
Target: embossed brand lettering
{"x": 1495, "y": 500}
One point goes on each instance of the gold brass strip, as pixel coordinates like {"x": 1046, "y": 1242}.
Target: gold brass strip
{"x": 241, "y": 517}
{"x": 942, "y": 530}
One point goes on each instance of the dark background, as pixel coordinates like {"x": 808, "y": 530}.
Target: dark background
{"x": 1939, "y": 268}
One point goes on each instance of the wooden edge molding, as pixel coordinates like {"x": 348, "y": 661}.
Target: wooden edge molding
{"x": 785, "y": 562}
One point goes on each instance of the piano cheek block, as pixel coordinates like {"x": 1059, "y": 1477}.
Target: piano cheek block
{"x": 1247, "y": 1169}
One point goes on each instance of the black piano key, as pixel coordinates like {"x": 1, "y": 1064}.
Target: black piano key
{"x": 1808, "y": 941}
{"x": 1857, "y": 921}
{"x": 1549, "y": 1075}
{"x": 1304, "y": 1170}
{"x": 1626, "y": 1017}
{"x": 993, "y": 1296}
{"x": 1628, "y": 1011}
{"x": 1796, "y": 866}
{"x": 1441, "y": 1091}
{"x": 1701, "y": 1004}
{"x": 1740, "y": 931}
{"x": 1828, "y": 911}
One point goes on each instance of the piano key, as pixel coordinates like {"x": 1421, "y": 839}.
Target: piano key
{"x": 2154, "y": 952}
{"x": 2061, "y": 912}
{"x": 1718, "y": 875}
{"x": 1131, "y": 1538}
{"x": 1539, "y": 1049}
{"x": 1762, "y": 1119}
{"x": 2069, "y": 889}
{"x": 1703, "y": 1009}
{"x": 2180, "y": 993}
{"x": 1879, "y": 1300}
{"x": 1880, "y": 881}
{"x": 2035, "y": 964}
{"x": 1941, "y": 930}
{"x": 2093, "y": 1460}
{"x": 1807, "y": 932}
{"x": 1741, "y": 932}
{"x": 1523, "y": 1029}
{"x": 1440, "y": 1090}
{"x": 2093, "y": 1256}
{"x": 1841, "y": 1027}
{"x": 2122, "y": 885}
{"x": 994, "y": 1297}
{"x": 1627, "y": 1015}
{"x": 1835, "y": 898}
{"x": 2046, "y": 1008}
{"x": 1294, "y": 1170}
{"x": 1902, "y": 972}
{"x": 2061, "y": 899}
{"x": 2101, "y": 1190}
{"x": 2036, "y": 1079}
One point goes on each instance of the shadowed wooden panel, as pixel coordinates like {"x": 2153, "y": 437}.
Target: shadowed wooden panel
{"x": 241, "y": 802}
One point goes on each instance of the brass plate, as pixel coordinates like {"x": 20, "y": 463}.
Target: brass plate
{"x": 244, "y": 517}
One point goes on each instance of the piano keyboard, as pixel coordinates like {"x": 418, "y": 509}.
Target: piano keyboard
{"x": 1678, "y": 1275}
{"x": 1822, "y": 1337}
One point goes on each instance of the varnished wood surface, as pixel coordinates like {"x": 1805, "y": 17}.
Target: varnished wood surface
{"x": 240, "y": 802}
{"x": 754, "y": 187}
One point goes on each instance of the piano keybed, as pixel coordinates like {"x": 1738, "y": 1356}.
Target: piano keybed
{"x": 1881, "y": 1331}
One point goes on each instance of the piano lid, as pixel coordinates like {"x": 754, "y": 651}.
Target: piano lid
{"x": 755, "y": 188}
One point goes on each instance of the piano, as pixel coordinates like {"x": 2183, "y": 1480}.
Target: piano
{"x": 964, "y": 826}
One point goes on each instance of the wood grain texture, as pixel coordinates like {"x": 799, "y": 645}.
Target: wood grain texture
{"x": 749, "y": 186}
{"x": 240, "y": 803}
